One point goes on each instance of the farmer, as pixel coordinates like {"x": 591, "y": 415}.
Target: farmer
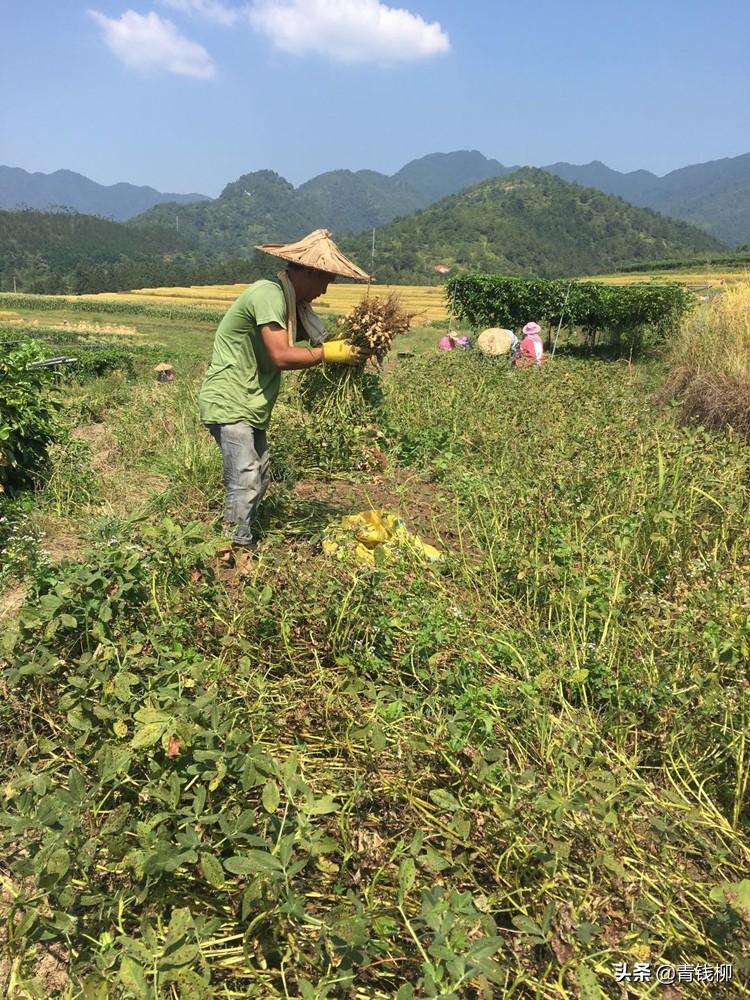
{"x": 452, "y": 341}
{"x": 254, "y": 343}
{"x": 531, "y": 349}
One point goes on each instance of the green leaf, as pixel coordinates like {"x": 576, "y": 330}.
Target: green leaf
{"x": 486, "y": 947}
{"x": 114, "y": 760}
{"x": 588, "y": 984}
{"x": 199, "y": 799}
{"x": 213, "y": 872}
{"x": 136, "y": 950}
{"x": 133, "y": 978}
{"x": 444, "y": 800}
{"x": 147, "y": 735}
{"x": 613, "y": 865}
{"x": 322, "y": 806}
{"x": 407, "y": 874}
{"x": 585, "y": 931}
{"x": 179, "y": 926}
{"x": 434, "y": 861}
{"x": 529, "y": 926}
{"x": 191, "y": 986}
{"x": 271, "y": 796}
{"x": 149, "y": 715}
{"x": 405, "y": 992}
{"x": 116, "y": 820}
{"x": 252, "y": 863}
{"x": 95, "y": 988}
{"x": 58, "y": 862}
{"x": 179, "y": 957}
{"x": 76, "y": 783}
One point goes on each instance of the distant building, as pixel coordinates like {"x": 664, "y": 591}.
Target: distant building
{"x": 442, "y": 268}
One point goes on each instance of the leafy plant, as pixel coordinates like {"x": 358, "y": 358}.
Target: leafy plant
{"x": 28, "y": 408}
{"x": 628, "y": 314}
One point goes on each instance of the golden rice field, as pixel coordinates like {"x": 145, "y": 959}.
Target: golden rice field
{"x": 426, "y": 301}
{"x": 697, "y": 281}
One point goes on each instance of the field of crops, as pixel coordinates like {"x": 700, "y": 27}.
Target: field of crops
{"x": 698, "y": 281}
{"x": 521, "y": 771}
{"x": 427, "y": 302}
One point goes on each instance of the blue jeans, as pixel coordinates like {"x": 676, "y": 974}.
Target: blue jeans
{"x": 244, "y": 452}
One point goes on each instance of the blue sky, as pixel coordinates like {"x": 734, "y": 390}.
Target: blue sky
{"x": 185, "y": 95}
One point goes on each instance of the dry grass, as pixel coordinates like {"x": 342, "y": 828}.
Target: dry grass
{"x": 710, "y": 363}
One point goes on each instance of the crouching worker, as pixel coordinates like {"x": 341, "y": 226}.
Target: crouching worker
{"x": 255, "y": 341}
{"x": 531, "y": 349}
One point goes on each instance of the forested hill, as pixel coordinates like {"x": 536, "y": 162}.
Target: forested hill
{"x": 54, "y": 252}
{"x": 256, "y": 208}
{"x": 527, "y": 222}
{"x": 66, "y": 237}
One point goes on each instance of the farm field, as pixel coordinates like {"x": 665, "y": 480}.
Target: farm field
{"x": 498, "y": 775}
{"x": 697, "y": 281}
{"x": 426, "y": 301}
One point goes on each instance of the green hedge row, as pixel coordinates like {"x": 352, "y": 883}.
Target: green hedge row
{"x": 628, "y": 314}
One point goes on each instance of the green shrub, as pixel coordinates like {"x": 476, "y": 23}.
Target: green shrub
{"x": 629, "y": 314}
{"x": 28, "y": 407}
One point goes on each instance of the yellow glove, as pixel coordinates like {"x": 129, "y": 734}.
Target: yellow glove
{"x": 338, "y": 352}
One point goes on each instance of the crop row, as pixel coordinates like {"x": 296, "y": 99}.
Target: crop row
{"x": 49, "y": 303}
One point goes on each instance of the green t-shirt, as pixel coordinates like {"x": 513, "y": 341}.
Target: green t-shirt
{"x": 241, "y": 382}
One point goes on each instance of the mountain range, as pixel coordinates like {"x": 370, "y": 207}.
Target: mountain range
{"x": 67, "y": 189}
{"x": 714, "y": 196}
{"x": 525, "y": 222}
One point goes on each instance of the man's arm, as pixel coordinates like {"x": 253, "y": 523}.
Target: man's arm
{"x": 283, "y": 356}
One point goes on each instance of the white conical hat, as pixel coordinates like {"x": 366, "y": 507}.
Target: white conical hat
{"x": 317, "y": 250}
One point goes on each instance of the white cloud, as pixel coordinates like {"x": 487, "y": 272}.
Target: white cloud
{"x": 149, "y": 42}
{"x": 348, "y": 30}
{"x": 212, "y": 10}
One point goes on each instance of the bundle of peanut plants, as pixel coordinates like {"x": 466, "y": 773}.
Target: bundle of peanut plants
{"x": 342, "y": 403}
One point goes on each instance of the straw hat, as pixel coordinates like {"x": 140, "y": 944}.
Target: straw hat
{"x": 162, "y": 367}
{"x": 316, "y": 250}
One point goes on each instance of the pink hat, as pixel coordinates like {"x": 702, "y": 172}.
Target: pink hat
{"x": 445, "y": 344}
{"x": 531, "y": 328}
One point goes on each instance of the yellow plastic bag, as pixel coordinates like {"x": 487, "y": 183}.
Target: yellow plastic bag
{"x": 372, "y": 535}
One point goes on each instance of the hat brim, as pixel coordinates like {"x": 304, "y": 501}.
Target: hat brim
{"x": 317, "y": 251}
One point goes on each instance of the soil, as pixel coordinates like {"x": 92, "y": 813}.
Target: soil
{"x": 418, "y": 501}
{"x": 11, "y": 601}
{"x": 49, "y": 964}
{"x": 59, "y": 542}
{"x": 101, "y": 440}
{"x": 104, "y": 461}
